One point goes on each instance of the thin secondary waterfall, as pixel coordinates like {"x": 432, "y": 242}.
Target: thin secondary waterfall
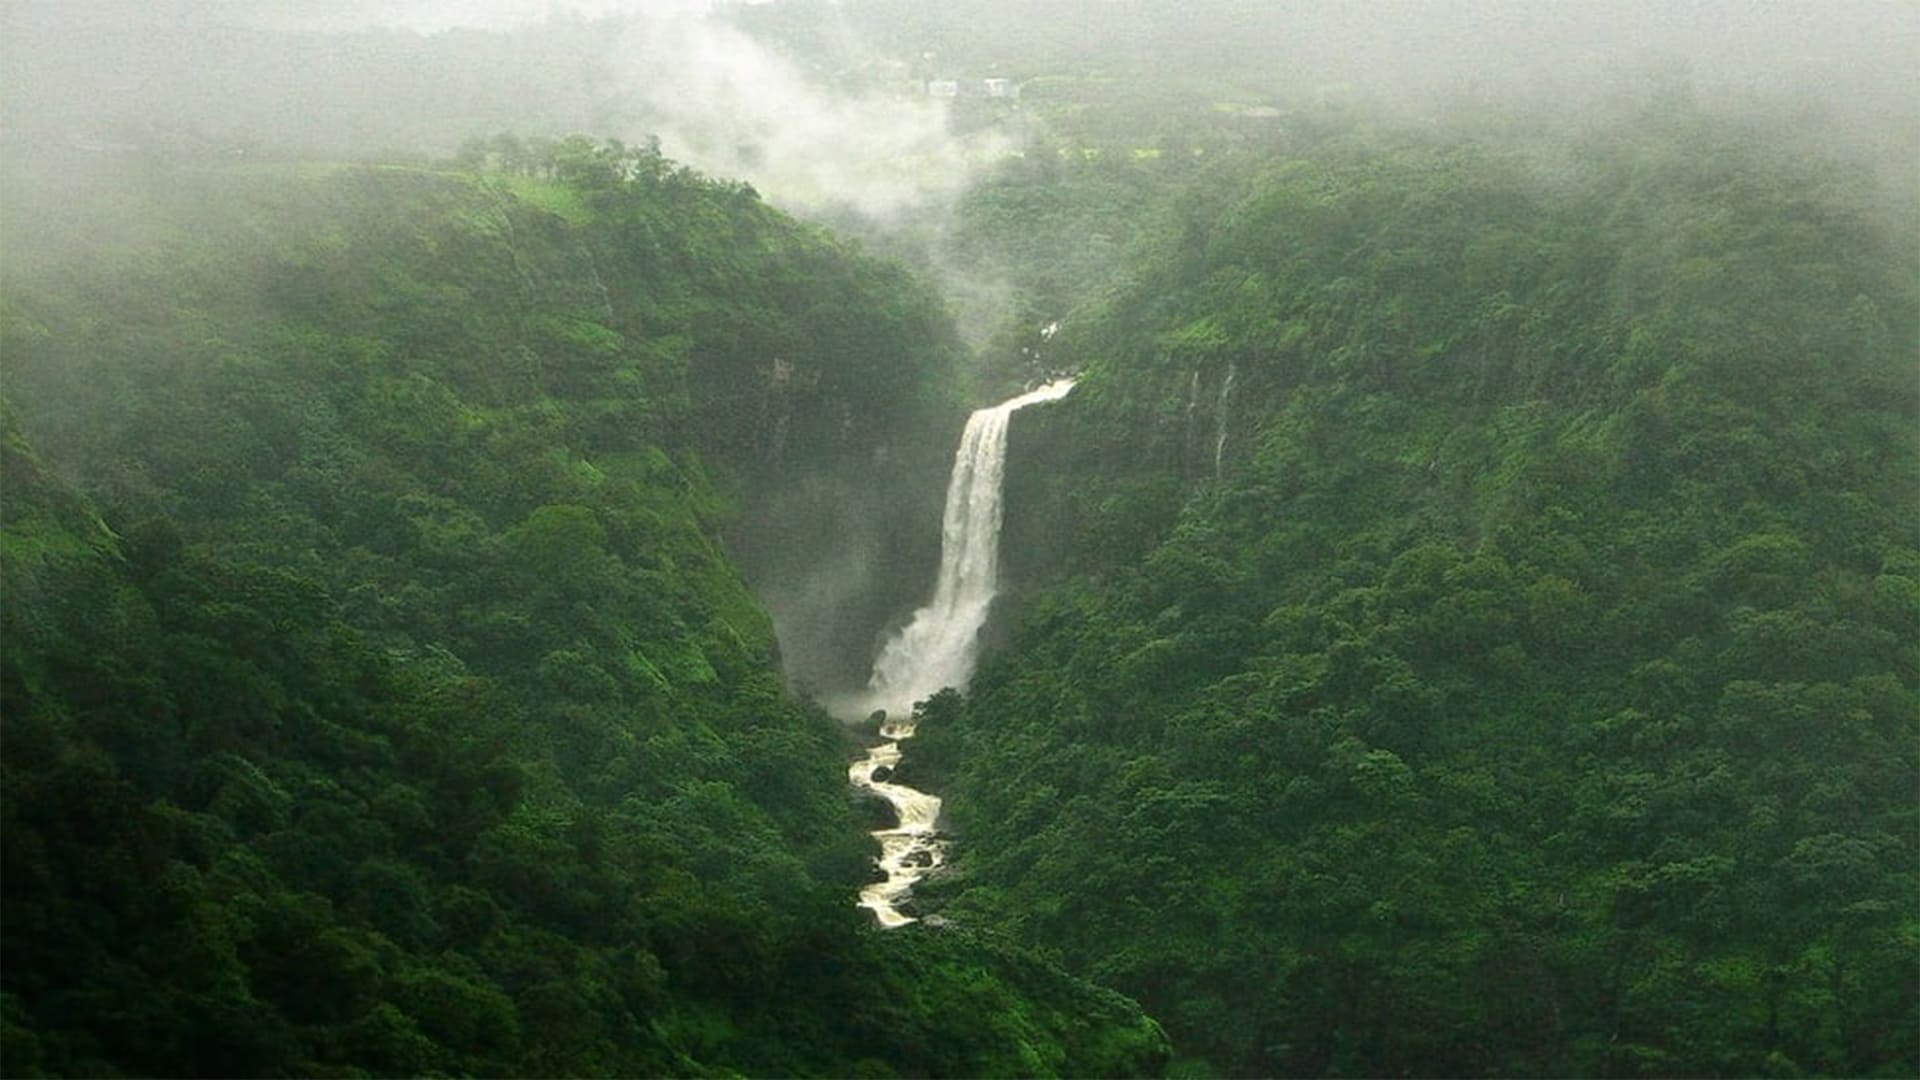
{"x": 1220, "y": 419}
{"x": 938, "y": 648}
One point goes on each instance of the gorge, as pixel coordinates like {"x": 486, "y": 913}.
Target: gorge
{"x": 472, "y": 611}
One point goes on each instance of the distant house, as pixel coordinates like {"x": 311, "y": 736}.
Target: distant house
{"x": 1001, "y": 88}
{"x": 943, "y": 88}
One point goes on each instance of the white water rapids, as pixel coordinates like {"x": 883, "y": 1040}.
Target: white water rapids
{"x": 937, "y": 649}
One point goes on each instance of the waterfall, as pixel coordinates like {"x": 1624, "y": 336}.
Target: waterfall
{"x": 937, "y": 649}
{"x": 1189, "y": 446}
{"x": 1220, "y": 419}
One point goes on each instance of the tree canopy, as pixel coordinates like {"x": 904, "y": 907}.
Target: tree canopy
{"x": 379, "y": 696}
{"x": 1477, "y": 632}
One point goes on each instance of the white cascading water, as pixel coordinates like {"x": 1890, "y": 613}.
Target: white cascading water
{"x": 1220, "y": 419}
{"x": 937, "y": 649}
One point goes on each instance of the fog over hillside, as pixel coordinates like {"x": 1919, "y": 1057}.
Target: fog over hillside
{"x": 824, "y": 104}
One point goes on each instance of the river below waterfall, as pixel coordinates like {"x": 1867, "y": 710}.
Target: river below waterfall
{"x": 914, "y": 847}
{"x": 935, "y": 650}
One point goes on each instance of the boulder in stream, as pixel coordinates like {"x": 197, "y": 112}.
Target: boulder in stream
{"x": 875, "y": 812}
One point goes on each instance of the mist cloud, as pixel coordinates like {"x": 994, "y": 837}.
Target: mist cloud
{"x": 434, "y": 16}
{"x": 734, "y": 107}
{"x": 723, "y": 101}
{"x": 349, "y": 77}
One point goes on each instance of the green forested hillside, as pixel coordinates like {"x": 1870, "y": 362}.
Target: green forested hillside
{"x": 378, "y": 698}
{"x": 1484, "y": 621}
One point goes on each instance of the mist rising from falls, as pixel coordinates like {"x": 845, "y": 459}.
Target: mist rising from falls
{"x": 937, "y": 650}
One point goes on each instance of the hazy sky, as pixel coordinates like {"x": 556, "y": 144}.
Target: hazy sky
{"x": 431, "y": 15}
{"x": 308, "y": 74}
{"x": 261, "y": 71}
{"x": 1745, "y": 39}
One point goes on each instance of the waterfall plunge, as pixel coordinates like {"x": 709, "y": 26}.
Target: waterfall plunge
{"x": 937, "y": 649}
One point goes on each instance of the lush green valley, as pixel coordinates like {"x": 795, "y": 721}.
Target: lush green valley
{"x": 1479, "y": 624}
{"x": 1464, "y": 618}
{"x": 378, "y": 698}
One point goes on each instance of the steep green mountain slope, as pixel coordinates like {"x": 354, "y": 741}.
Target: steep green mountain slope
{"x": 378, "y": 696}
{"x": 1484, "y": 628}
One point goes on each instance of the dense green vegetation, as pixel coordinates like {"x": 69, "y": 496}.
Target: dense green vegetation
{"x": 378, "y": 698}
{"x": 1466, "y": 620}
{"x": 1484, "y": 628}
